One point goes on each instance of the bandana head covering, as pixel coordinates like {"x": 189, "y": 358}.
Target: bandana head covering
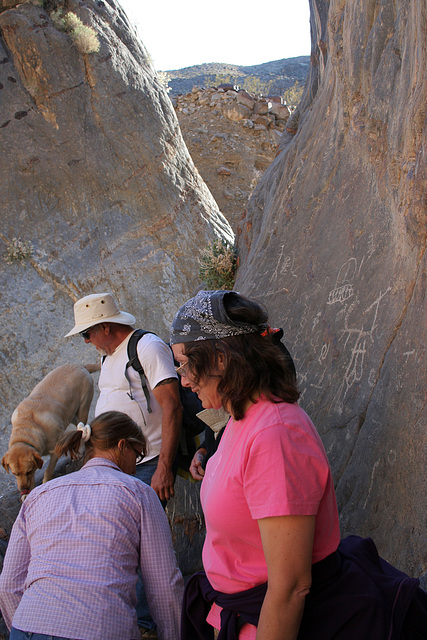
{"x": 204, "y": 318}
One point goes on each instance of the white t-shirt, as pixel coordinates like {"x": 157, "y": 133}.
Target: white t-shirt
{"x": 157, "y": 361}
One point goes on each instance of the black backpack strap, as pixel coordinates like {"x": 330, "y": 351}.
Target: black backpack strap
{"x": 135, "y": 364}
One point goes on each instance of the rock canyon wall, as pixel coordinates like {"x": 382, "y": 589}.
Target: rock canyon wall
{"x": 334, "y": 243}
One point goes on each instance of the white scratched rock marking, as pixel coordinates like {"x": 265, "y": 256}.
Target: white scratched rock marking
{"x": 354, "y": 371}
{"x": 341, "y": 294}
{"x": 361, "y": 338}
{"x": 371, "y": 246}
{"x": 392, "y": 455}
{"x": 372, "y": 378}
{"x": 374, "y": 468}
{"x": 343, "y": 285}
{"x": 302, "y": 324}
{"x": 407, "y": 354}
{"x": 316, "y": 320}
{"x": 324, "y": 352}
{"x": 284, "y": 264}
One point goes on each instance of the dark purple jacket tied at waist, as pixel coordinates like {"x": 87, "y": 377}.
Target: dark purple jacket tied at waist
{"x": 355, "y": 595}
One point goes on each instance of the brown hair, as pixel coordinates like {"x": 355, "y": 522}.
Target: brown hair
{"x": 253, "y": 364}
{"x": 106, "y": 431}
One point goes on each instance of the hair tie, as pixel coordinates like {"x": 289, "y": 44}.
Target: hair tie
{"x": 86, "y": 431}
{"x": 266, "y": 330}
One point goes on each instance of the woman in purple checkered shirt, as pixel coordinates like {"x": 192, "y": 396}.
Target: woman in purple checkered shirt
{"x": 71, "y": 565}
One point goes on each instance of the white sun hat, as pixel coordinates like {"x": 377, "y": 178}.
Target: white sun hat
{"x": 97, "y": 308}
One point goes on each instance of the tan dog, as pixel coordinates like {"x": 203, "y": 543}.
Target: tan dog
{"x": 62, "y": 397}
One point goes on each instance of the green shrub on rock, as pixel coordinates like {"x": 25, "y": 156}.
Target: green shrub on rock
{"x": 218, "y": 263}
{"x": 84, "y": 38}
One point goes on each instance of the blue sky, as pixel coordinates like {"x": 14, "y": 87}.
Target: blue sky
{"x": 189, "y": 32}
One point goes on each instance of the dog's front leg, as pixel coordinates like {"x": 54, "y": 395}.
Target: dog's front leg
{"x": 50, "y": 467}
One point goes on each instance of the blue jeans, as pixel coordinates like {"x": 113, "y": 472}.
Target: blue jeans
{"x": 16, "y": 634}
{"x": 144, "y": 472}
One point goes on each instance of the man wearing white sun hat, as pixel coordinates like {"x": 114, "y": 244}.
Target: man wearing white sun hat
{"x": 100, "y": 322}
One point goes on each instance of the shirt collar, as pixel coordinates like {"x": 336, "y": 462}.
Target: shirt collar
{"x": 101, "y": 462}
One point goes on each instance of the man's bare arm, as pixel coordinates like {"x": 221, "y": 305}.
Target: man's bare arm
{"x": 167, "y": 395}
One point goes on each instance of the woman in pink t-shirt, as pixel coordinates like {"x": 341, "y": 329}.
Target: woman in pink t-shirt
{"x": 267, "y": 494}
{"x": 272, "y": 529}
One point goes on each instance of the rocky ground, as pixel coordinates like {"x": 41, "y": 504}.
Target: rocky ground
{"x": 232, "y": 136}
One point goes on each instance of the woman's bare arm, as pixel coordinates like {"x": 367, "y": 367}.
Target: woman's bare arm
{"x": 287, "y": 542}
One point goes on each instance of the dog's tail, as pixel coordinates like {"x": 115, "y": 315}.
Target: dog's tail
{"x": 93, "y": 367}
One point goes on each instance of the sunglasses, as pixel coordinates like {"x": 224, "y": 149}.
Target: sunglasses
{"x": 139, "y": 456}
{"x": 86, "y": 334}
{"x": 182, "y": 371}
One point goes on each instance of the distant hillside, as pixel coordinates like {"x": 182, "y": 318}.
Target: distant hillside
{"x": 267, "y": 78}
